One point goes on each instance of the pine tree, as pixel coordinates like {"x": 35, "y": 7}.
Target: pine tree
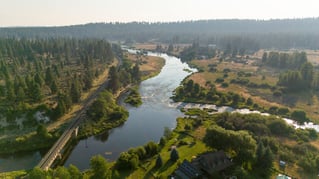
{"x": 174, "y": 155}
{"x": 54, "y": 87}
{"x": 38, "y": 79}
{"x": 114, "y": 83}
{"x": 48, "y": 76}
{"x": 75, "y": 91}
{"x": 159, "y": 161}
{"x": 136, "y": 73}
{"x": 37, "y": 93}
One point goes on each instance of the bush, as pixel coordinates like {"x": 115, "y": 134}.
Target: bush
{"x": 219, "y": 80}
{"x": 299, "y": 116}
{"x": 224, "y": 85}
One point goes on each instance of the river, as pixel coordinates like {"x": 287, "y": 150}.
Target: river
{"x": 145, "y": 123}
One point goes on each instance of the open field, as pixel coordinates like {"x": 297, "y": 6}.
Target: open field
{"x": 147, "y": 169}
{"x": 177, "y": 48}
{"x": 307, "y": 101}
{"x": 150, "y": 65}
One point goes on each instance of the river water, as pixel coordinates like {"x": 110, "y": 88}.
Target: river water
{"x": 145, "y": 123}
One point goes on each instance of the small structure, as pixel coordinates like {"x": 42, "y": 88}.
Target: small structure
{"x": 282, "y": 164}
{"x": 281, "y": 176}
{"x": 212, "y": 162}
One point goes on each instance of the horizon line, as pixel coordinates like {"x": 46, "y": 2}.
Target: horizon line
{"x": 156, "y": 22}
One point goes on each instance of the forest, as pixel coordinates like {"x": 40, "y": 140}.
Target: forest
{"x": 279, "y": 34}
{"x": 48, "y": 69}
{"x": 40, "y": 81}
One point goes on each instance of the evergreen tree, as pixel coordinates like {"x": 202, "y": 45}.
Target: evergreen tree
{"x": 114, "y": 83}
{"x": 20, "y": 94}
{"x": 159, "y": 161}
{"x": 48, "y": 76}
{"x": 54, "y": 87}
{"x": 264, "y": 58}
{"x": 136, "y": 73}
{"x": 36, "y": 93}
{"x": 38, "y": 79}
{"x": 75, "y": 91}
{"x": 307, "y": 73}
{"x": 174, "y": 155}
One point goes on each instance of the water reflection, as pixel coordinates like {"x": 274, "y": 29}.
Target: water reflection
{"x": 144, "y": 124}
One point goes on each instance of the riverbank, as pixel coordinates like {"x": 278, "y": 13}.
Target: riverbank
{"x": 149, "y": 67}
{"x": 29, "y": 143}
{"x": 144, "y": 123}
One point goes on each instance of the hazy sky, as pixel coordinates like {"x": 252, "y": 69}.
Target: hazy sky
{"x": 67, "y": 12}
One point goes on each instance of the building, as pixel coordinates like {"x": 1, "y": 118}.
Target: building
{"x": 187, "y": 171}
{"x": 212, "y": 162}
{"x": 203, "y": 166}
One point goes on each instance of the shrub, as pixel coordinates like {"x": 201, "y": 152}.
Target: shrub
{"x": 224, "y": 85}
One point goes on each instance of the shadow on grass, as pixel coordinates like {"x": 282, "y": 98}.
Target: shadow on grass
{"x": 159, "y": 170}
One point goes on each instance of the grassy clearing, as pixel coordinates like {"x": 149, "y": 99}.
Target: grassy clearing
{"x": 13, "y": 175}
{"x": 307, "y": 100}
{"x": 194, "y": 147}
{"x": 150, "y": 66}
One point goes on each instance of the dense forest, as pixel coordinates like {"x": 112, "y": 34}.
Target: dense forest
{"x": 47, "y": 75}
{"x": 282, "y": 34}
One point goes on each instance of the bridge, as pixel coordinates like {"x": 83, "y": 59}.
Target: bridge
{"x": 71, "y": 132}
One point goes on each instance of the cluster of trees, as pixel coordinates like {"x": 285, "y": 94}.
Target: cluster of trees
{"x": 284, "y": 60}
{"x": 197, "y": 52}
{"x": 105, "y": 114}
{"x": 254, "y": 139}
{"x": 105, "y": 107}
{"x": 32, "y": 71}
{"x": 193, "y": 92}
{"x": 300, "y": 74}
{"x": 127, "y": 74}
{"x": 132, "y": 158}
{"x": 134, "y": 98}
{"x": 299, "y": 79}
{"x": 99, "y": 168}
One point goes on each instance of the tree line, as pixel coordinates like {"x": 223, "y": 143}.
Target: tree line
{"x": 50, "y": 72}
{"x": 299, "y": 75}
{"x": 281, "y": 34}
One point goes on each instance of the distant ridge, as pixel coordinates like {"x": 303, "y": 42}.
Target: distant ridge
{"x": 301, "y": 33}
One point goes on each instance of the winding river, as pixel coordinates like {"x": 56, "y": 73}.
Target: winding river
{"x": 145, "y": 123}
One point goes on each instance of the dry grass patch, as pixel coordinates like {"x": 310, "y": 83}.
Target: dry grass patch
{"x": 145, "y": 46}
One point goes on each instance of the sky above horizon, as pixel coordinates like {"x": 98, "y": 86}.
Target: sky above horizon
{"x": 70, "y": 12}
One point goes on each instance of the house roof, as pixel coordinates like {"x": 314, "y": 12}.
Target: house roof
{"x": 212, "y": 162}
{"x": 187, "y": 171}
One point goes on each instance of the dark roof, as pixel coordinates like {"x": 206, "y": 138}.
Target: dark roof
{"x": 212, "y": 162}
{"x": 187, "y": 171}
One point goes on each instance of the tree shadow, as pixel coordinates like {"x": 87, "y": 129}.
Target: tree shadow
{"x": 150, "y": 173}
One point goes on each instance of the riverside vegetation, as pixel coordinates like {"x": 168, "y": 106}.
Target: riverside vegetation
{"x": 261, "y": 141}
{"x": 40, "y": 81}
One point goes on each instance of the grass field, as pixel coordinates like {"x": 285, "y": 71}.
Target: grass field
{"x": 150, "y": 65}
{"x": 307, "y": 100}
{"x": 195, "y": 146}
{"x": 12, "y": 175}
